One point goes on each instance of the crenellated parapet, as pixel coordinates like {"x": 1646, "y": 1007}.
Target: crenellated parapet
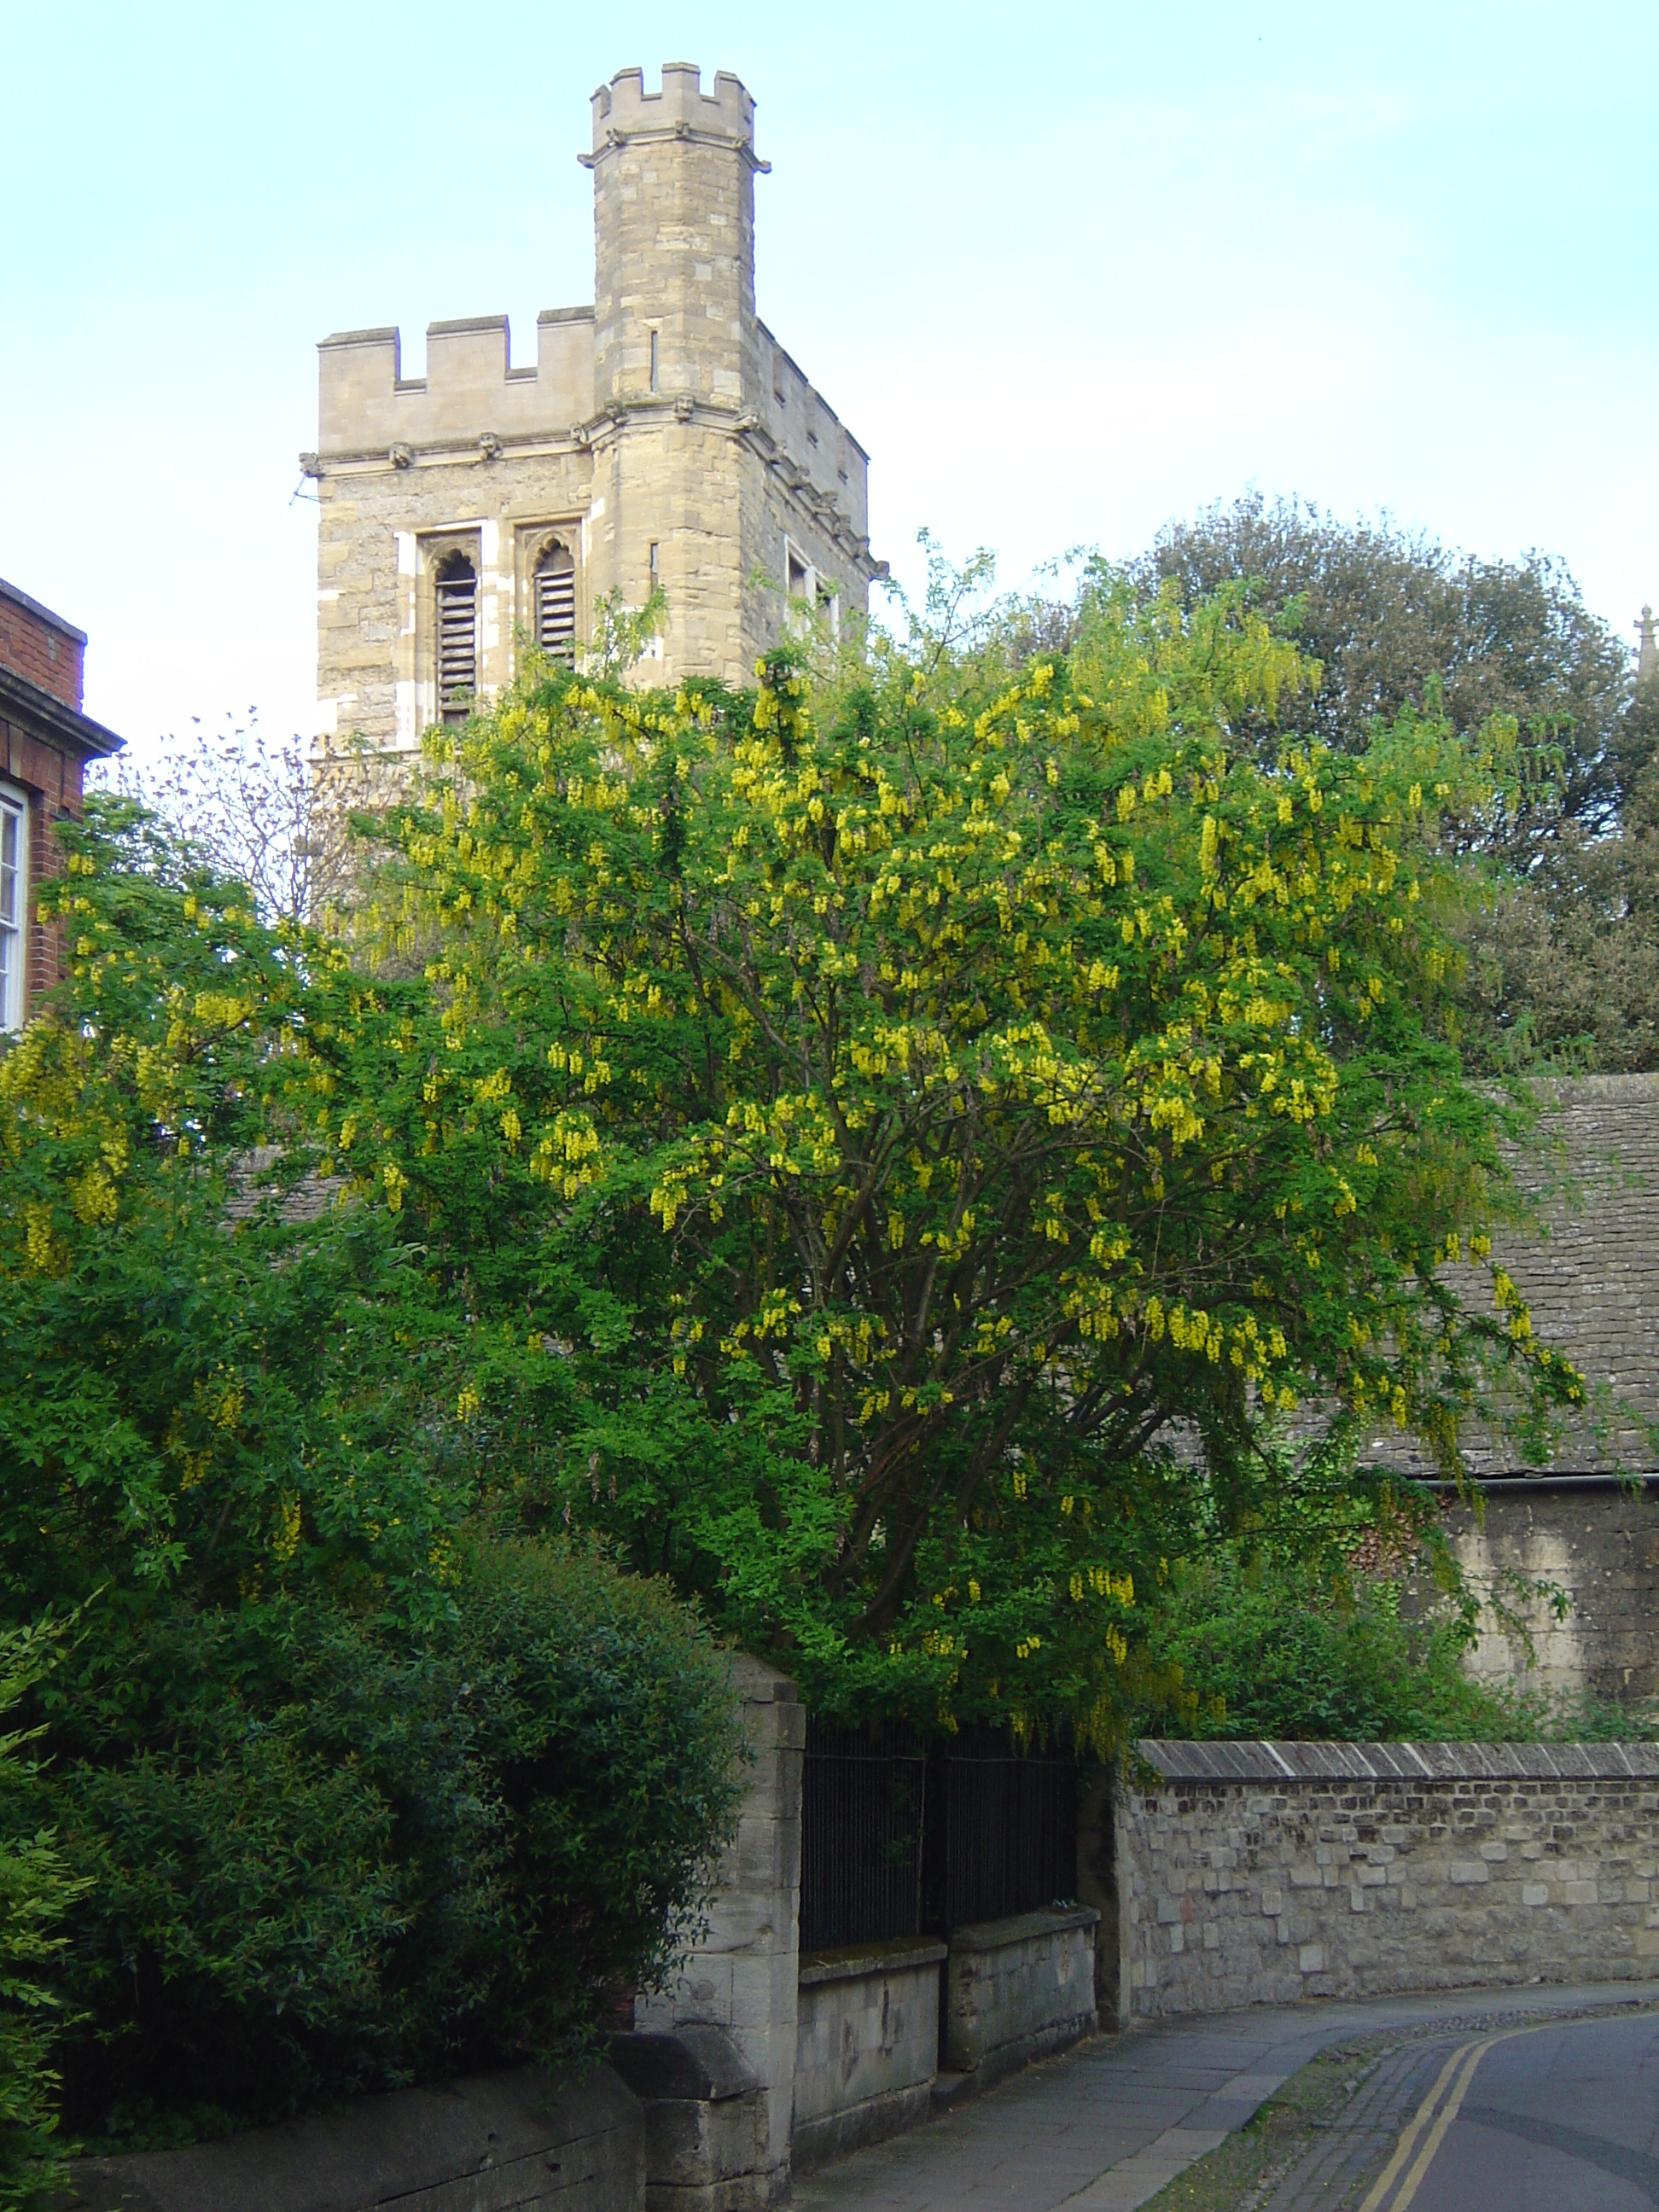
{"x": 470, "y": 390}
{"x": 624, "y": 111}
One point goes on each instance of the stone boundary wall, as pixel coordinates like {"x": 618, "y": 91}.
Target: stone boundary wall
{"x": 873, "y": 2017}
{"x": 1018, "y": 1989}
{"x": 536, "y": 2142}
{"x": 1262, "y": 1873}
{"x": 866, "y": 2045}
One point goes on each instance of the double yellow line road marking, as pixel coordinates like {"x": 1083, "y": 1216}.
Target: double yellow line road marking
{"x": 1414, "y": 2154}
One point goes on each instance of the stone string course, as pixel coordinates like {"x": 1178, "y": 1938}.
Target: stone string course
{"x": 1263, "y": 1872}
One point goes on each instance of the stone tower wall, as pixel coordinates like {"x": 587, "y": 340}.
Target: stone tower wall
{"x": 674, "y": 239}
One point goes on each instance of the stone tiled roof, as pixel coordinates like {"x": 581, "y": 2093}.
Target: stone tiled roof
{"x": 1396, "y": 1762}
{"x": 1591, "y": 1278}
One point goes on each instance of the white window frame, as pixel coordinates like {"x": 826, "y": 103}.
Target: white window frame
{"x": 820, "y": 593}
{"x": 14, "y": 927}
{"x": 794, "y": 559}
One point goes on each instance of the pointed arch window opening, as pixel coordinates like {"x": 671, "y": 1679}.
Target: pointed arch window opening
{"x": 556, "y": 602}
{"x": 456, "y": 589}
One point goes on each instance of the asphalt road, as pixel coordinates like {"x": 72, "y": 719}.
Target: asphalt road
{"x": 1559, "y": 2118}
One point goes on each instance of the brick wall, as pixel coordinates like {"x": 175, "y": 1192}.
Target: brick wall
{"x": 44, "y": 743}
{"x": 1255, "y": 1873}
{"x": 39, "y": 646}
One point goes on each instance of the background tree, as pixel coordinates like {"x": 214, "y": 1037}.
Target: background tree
{"x": 1560, "y": 958}
{"x": 1397, "y": 620}
{"x": 253, "y": 812}
{"x": 1563, "y": 959}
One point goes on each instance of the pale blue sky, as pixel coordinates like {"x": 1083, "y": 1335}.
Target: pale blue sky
{"x": 1067, "y": 271}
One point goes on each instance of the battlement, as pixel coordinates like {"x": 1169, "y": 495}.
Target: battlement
{"x": 624, "y": 109}
{"x": 469, "y": 388}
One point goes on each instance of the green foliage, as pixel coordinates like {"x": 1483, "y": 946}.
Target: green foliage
{"x": 36, "y": 1893}
{"x": 1564, "y": 957}
{"x": 1397, "y": 621}
{"x": 1561, "y": 960}
{"x": 323, "y": 1856}
{"x": 1250, "y": 1643}
{"x": 356, "y": 1794}
{"x": 197, "y": 1382}
{"x": 1262, "y": 1648}
{"x": 861, "y": 1117}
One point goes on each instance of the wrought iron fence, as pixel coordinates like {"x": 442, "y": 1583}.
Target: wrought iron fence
{"x": 863, "y": 1811}
{"x": 1010, "y": 1830}
{"x": 900, "y": 1837}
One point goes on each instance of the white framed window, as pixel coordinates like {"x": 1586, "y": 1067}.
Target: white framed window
{"x": 14, "y": 904}
{"x": 805, "y": 583}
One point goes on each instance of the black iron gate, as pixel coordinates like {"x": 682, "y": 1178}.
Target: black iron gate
{"x": 901, "y": 1838}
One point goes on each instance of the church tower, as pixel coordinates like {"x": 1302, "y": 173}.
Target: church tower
{"x": 661, "y": 440}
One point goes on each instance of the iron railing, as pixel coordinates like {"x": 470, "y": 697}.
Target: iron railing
{"x": 863, "y": 1813}
{"x": 902, "y": 1838}
{"x": 1010, "y": 1830}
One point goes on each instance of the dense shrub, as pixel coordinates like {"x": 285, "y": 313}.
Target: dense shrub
{"x": 326, "y": 1856}
{"x": 357, "y": 1795}
{"x": 35, "y": 1893}
{"x": 1256, "y": 1647}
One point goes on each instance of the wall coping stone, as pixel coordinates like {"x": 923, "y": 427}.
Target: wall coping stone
{"x": 1023, "y": 1928}
{"x": 1287, "y": 1762}
{"x": 858, "y": 1959}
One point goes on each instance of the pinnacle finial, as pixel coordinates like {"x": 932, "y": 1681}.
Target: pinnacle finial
{"x": 1647, "y": 652}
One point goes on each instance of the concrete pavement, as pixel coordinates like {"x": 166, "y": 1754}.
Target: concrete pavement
{"x": 1103, "y": 2128}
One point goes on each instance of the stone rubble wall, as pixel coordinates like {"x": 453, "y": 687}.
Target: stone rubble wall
{"x": 1257, "y": 1874}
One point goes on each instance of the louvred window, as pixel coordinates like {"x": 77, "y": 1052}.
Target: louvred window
{"x": 556, "y": 603}
{"x": 457, "y": 588}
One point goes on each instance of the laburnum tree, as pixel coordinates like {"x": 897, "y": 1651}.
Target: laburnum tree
{"x": 908, "y": 1142}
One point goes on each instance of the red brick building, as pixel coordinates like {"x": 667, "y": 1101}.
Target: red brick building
{"x": 45, "y": 742}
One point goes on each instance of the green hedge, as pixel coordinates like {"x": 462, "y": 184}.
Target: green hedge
{"x": 324, "y": 1856}
{"x": 36, "y": 1893}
